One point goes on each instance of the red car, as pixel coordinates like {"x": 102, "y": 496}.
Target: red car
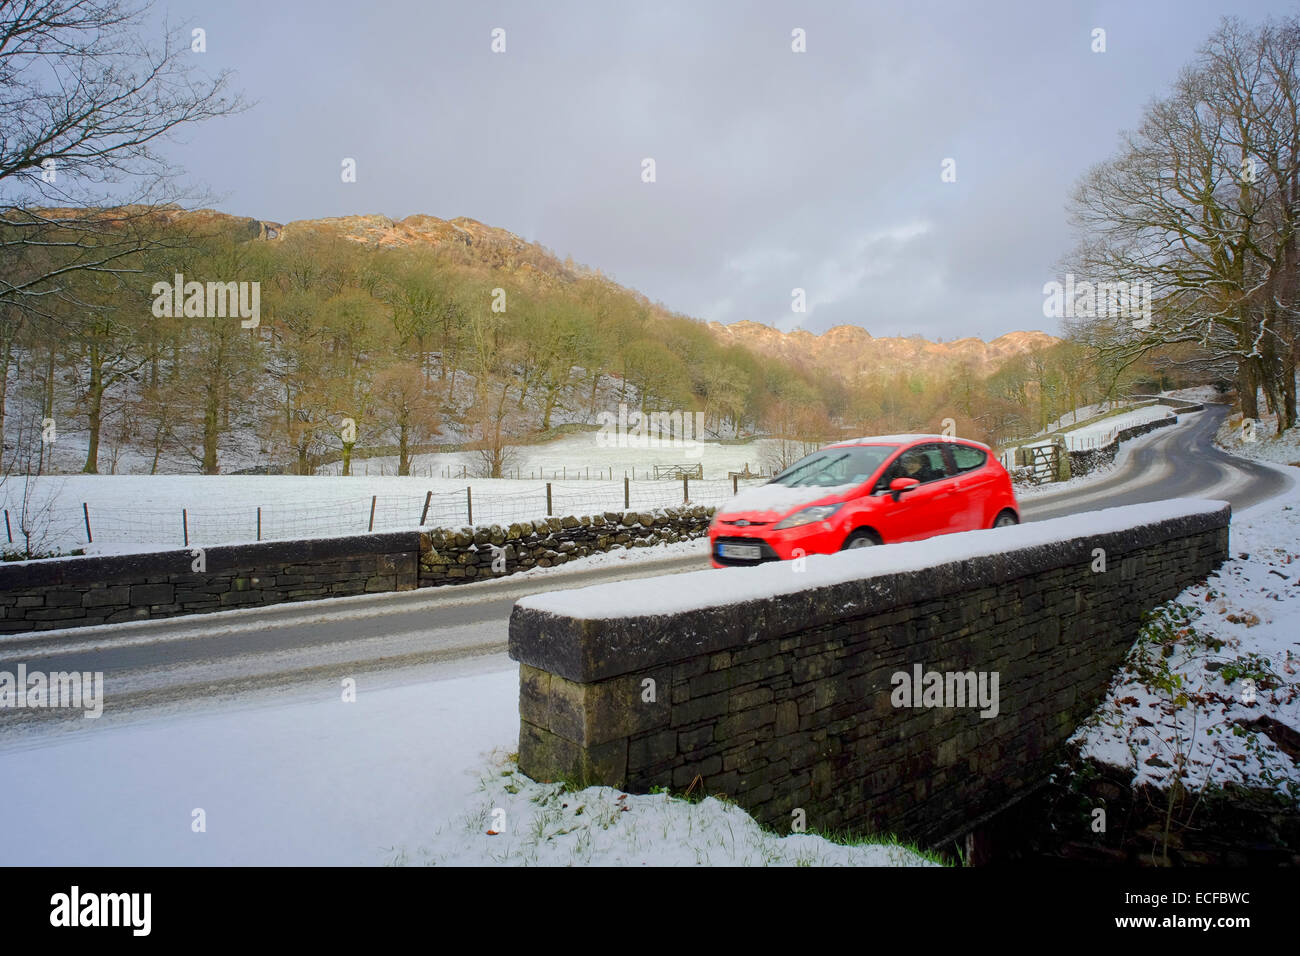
{"x": 871, "y": 491}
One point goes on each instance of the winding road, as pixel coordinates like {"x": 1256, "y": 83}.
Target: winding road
{"x": 413, "y": 636}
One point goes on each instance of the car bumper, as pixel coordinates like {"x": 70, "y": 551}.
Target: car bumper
{"x": 775, "y": 545}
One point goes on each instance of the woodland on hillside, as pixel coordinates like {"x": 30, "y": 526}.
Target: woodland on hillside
{"x": 361, "y": 348}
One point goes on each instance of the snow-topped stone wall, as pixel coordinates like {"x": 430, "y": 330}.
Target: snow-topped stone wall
{"x": 913, "y": 689}
{"x": 110, "y": 589}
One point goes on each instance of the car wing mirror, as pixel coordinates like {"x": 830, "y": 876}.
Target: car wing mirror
{"x": 900, "y": 485}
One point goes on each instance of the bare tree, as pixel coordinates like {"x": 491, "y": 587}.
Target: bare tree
{"x": 404, "y": 407}
{"x": 497, "y": 424}
{"x": 1202, "y": 204}
{"x": 30, "y": 505}
{"x": 85, "y": 102}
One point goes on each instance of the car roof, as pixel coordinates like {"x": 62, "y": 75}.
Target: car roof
{"x": 907, "y": 440}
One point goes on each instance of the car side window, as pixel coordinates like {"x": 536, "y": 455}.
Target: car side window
{"x": 925, "y": 463}
{"x": 967, "y": 458}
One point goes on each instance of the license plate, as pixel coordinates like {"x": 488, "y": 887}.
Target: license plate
{"x": 741, "y": 552}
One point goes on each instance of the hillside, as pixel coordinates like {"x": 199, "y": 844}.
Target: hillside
{"x": 383, "y": 336}
{"x": 848, "y": 351}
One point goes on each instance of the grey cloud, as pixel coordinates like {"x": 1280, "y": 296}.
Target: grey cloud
{"x": 775, "y": 169}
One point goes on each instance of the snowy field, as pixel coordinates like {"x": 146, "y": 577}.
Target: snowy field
{"x": 137, "y": 512}
{"x": 1098, "y": 435}
{"x": 1080, "y": 414}
{"x": 1198, "y": 393}
{"x": 144, "y": 512}
{"x": 581, "y": 456}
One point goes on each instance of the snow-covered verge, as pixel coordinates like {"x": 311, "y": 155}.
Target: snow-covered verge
{"x": 622, "y": 556}
{"x": 516, "y": 821}
{"x": 1213, "y": 684}
{"x": 1259, "y": 441}
{"x": 415, "y": 770}
{"x": 1197, "y": 393}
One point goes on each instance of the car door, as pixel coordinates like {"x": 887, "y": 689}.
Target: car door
{"x": 925, "y": 510}
{"x": 972, "y": 483}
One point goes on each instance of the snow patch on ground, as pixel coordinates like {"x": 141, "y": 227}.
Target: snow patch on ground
{"x": 1260, "y": 441}
{"x": 1197, "y": 393}
{"x": 699, "y": 548}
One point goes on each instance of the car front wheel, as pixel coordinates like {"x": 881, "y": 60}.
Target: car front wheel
{"x": 860, "y": 539}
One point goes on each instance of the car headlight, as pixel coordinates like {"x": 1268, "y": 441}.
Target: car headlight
{"x": 806, "y": 516}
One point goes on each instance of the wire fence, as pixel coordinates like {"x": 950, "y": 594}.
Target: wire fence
{"x": 1092, "y": 442}
{"x": 236, "y": 522}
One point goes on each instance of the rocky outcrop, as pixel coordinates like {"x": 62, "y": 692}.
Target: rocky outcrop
{"x": 852, "y": 352}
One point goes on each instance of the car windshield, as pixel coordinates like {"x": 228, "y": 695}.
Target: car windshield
{"x": 851, "y": 465}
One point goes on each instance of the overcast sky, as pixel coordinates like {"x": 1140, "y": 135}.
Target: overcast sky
{"x": 774, "y": 169}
